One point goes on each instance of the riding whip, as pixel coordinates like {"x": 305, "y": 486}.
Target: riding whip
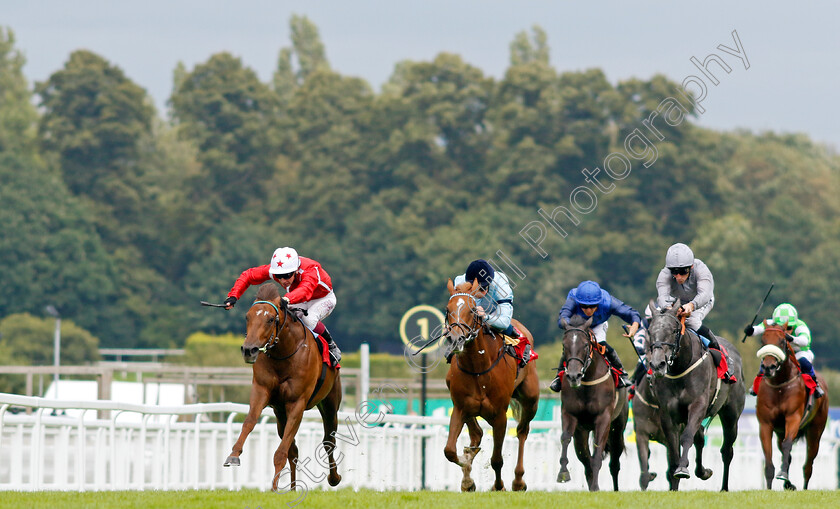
{"x": 210, "y": 304}
{"x": 759, "y": 309}
{"x": 627, "y": 331}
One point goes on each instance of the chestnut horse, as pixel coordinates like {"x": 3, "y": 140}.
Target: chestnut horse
{"x": 290, "y": 377}
{"x": 590, "y": 403}
{"x": 482, "y": 379}
{"x": 780, "y": 407}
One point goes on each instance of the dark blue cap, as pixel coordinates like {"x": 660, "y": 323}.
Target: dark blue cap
{"x": 482, "y": 271}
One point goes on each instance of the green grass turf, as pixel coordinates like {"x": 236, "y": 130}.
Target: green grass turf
{"x": 348, "y": 499}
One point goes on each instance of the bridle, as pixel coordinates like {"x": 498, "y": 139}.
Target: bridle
{"x": 275, "y": 338}
{"x": 587, "y": 361}
{"x": 674, "y": 345}
{"x": 471, "y": 330}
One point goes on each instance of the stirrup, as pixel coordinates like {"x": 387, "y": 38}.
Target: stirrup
{"x": 556, "y": 384}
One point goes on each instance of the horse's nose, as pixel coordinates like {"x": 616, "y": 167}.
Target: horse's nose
{"x": 659, "y": 366}
{"x": 250, "y": 353}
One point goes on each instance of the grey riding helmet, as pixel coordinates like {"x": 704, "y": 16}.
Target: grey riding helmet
{"x": 679, "y": 255}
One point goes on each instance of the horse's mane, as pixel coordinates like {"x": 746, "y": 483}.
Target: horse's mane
{"x": 268, "y": 291}
{"x": 577, "y": 321}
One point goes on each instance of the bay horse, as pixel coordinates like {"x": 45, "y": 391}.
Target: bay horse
{"x": 689, "y": 390}
{"x": 780, "y": 407}
{"x": 648, "y": 427}
{"x": 590, "y": 403}
{"x": 290, "y": 377}
{"x": 482, "y": 379}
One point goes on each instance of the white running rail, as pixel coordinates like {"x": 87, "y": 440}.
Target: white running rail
{"x": 176, "y": 448}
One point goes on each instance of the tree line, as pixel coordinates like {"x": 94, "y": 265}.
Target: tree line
{"x": 124, "y": 217}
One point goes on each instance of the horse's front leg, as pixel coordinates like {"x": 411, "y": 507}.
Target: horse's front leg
{"x": 602, "y": 429}
{"x": 499, "y": 429}
{"x": 258, "y": 401}
{"x": 456, "y": 424}
{"x": 294, "y": 416}
{"x": 696, "y": 411}
{"x": 765, "y": 433}
{"x": 791, "y": 429}
{"x": 569, "y": 425}
{"x": 672, "y": 446}
{"x": 700, "y": 471}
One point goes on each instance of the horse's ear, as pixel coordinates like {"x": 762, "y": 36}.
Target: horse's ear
{"x": 676, "y": 307}
{"x": 450, "y": 286}
{"x": 564, "y": 323}
{"x": 587, "y": 323}
{"x": 653, "y": 308}
{"x": 475, "y": 285}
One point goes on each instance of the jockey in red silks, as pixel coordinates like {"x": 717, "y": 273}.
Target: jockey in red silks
{"x": 308, "y": 287}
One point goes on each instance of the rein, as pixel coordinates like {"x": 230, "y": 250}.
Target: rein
{"x": 472, "y": 332}
{"x": 275, "y": 338}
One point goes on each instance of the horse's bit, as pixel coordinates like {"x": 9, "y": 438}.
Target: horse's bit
{"x": 675, "y": 345}
{"x": 588, "y": 360}
{"x": 275, "y": 338}
{"x": 471, "y": 330}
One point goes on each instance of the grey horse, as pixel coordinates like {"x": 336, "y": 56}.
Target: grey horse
{"x": 685, "y": 380}
{"x": 648, "y": 427}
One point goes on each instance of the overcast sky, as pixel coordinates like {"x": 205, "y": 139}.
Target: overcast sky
{"x": 791, "y": 84}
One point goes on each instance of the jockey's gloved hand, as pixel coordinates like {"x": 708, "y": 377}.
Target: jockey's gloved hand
{"x": 230, "y": 302}
{"x": 749, "y": 330}
{"x": 286, "y": 300}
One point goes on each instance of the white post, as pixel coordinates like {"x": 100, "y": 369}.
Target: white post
{"x": 57, "y": 352}
{"x": 365, "y": 368}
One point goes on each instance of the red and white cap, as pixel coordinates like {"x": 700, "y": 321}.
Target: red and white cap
{"x": 283, "y": 261}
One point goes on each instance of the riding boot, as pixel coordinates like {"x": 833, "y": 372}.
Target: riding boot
{"x": 808, "y": 369}
{"x": 757, "y": 381}
{"x": 556, "y": 384}
{"x": 612, "y": 356}
{"x": 638, "y": 374}
{"x": 704, "y": 331}
{"x": 335, "y": 353}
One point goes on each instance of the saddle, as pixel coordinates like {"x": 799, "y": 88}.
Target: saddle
{"x": 324, "y": 348}
{"x": 520, "y": 348}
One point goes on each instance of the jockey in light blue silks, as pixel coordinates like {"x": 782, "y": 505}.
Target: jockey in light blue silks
{"x": 494, "y": 299}
{"x": 588, "y": 300}
{"x": 786, "y": 315}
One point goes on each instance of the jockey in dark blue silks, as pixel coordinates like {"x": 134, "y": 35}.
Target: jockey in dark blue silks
{"x": 589, "y": 300}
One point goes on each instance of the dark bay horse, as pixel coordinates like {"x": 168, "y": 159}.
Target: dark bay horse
{"x": 685, "y": 379}
{"x": 288, "y": 377}
{"x": 482, "y": 379}
{"x": 780, "y": 407}
{"x": 648, "y": 427}
{"x": 590, "y": 403}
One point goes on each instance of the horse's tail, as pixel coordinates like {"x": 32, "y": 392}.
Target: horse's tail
{"x": 516, "y": 408}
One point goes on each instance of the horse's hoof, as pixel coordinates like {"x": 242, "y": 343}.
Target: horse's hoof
{"x": 704, "y": 474}
{"x": 232, "y": 461}
{"x": 519, "y": 486}
{"x": 789, "y": 486}
{"x": 651, "y": 476}
{"x": 682, "y": 473}
{"x": 782, "y": 476}
{"x": 334, "y": 480}
{"x": 564, "y": 476}
{"x": 468, "y": 486}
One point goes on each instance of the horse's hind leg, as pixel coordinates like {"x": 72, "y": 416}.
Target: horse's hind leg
{"x": 812, "y": 438}
{"x": 258, "y": 401}
{"x": 765, "y": 433}
{"x": 786, "y": 444}
{"x": 328, "y": 407}
{"x": 582, "y": 451}
{"x": 643, "y": 451}
{"x": 529, "y": 410}
{"x": 699, "y": 442}
{"x": 294, "y": 414}
{"x": 499, "y": 429}
{"x": 729, "y": 422}
{"x": 617, "y": 446}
